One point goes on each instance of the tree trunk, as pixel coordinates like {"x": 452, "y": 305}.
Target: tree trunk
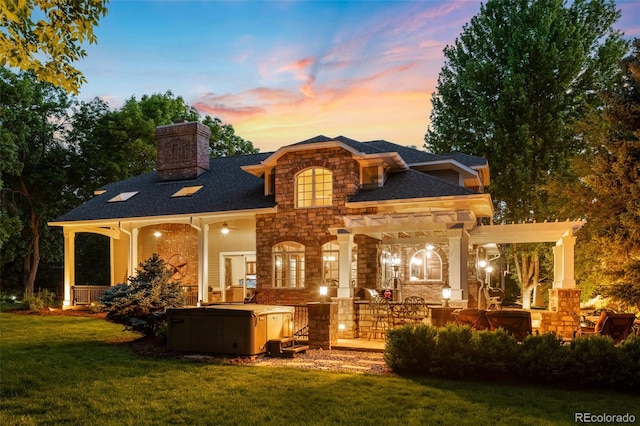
{"x": 528, "y": 274}
{"x": 34, "y": 257}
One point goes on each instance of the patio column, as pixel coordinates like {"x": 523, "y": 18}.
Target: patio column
{"x": 133, "y": 252}
{"x": 563, "y": 258}
{"x": 69, "y": 267}
{"x": 345, "y": 246}
{"x": 458, "y": 264}
{"x": 203, "y": 263}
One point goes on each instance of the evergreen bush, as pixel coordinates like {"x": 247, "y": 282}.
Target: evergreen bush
{"x": 457, "y": 352}
{"x": 140, "y": 305}
{"x": 410, "y": 349}
{"x": 543, "y": 358}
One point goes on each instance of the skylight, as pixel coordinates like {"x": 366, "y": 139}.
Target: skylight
{"x": 187, "y": 191}
{"x": 123, "y": 196}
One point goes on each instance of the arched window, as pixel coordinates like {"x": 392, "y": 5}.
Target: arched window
{"x": 288, "y": 265}
{"x": 426, "y": 265}
{"x": 314, "y": 187}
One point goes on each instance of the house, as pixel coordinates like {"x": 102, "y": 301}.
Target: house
{"x": 322, "y": 212}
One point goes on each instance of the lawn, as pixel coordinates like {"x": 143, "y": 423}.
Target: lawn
{"x": 81, "y": 371}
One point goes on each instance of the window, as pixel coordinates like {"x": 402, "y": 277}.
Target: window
{"x": 123, "y": 196}
{"x": 331, "y": 263}
{"x": 187, "y": 191}
{"x": 288, "y": 265}
{"x": 314, "y": 188}
{"x": 426, "y": 265}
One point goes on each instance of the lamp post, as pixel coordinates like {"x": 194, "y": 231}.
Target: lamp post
{"x": 446, "y": 294}
{"x": 397, "y": 292}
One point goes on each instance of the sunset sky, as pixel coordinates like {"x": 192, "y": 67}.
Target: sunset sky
{"x": 284, "y": 71}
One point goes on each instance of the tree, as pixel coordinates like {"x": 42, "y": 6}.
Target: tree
{"x": 35, "y": 173}
{"x": 514, "y": 84}
{"x": 120, "y": 144}
{"x": 49, "y": 45}
{"x": 520, "y": 74}
{"x": 140, "y": 304}
{"x": 610, "y": 188}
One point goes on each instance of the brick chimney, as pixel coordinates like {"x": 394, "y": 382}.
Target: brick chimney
{"x": 183, "y": 150}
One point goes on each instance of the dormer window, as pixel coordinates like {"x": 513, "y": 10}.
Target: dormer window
{"x": 372, "y": 177}
{"x": 123, "y": 196}
{"x": 314, "y": 188}
{"x": 187, "y": 191}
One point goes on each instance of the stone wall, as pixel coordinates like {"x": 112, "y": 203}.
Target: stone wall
{"x": 306, "y": 226}
{"x": 563, "y": 315}
{"x": 178, "y": 246}
{"x": 323, "y": 326}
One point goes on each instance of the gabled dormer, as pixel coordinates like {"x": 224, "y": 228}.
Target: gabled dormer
{"x": 374, "y": 165}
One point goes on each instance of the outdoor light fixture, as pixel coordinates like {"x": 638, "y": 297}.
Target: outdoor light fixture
{"x": 482, "y": 263}
{"x": 225, "y": 228}
{"x": 342, "y": 327}
{"x": 324, "y": 291}
{"x": 446, "y": 293}
{"x": 157, "y": 234}
{"x": 488, "y": 270}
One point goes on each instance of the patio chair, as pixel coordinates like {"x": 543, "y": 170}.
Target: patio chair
{"x": 414, "y": 310}
{"x": 380, "y": 314}
{"x": 492, "y": 297}
{"x": 474, "y": 318}
{"x": 616, "y": 326}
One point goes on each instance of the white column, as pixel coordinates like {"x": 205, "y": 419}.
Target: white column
{"x": 133, "y": 252}
{"x": 203, "y": 264}
{"x": 563, "y": 262}
{"x": 69, "y": 266}
{"x": 345, "y": 246}
{"x": 458, "y": 265}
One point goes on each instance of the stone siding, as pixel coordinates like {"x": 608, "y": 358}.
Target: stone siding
{"x": 306, "y": 226}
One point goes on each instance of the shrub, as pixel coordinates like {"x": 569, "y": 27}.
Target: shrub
{"x": 140, "y": 305}
{"x": 543, "y": 358}
{"x": 630, "y": 349}
{"x": 41, "y": 300}
{"x": 458, "y": 352}
{"x": 496, "y": 352}
{"x": 410, "y": 349}
{"x": 454, "y": 353}
{"x": 596, "y": 361}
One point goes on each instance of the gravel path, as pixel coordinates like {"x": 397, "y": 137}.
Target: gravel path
{"x": 318, "y": 359}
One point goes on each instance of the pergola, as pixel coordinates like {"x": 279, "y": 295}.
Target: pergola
{"x": 460, "y": 230}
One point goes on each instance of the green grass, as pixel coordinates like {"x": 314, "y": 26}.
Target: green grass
{"x": 80, "y": 371}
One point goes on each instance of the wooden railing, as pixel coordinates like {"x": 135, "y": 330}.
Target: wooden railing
{"x": 87, "y": 294}
{"x": 301, "y": 321}
{"x": 190, "y": 294}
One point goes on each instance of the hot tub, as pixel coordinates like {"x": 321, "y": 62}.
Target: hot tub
{"x": 228, "y": 329}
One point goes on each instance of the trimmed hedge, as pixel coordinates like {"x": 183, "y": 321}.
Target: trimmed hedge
{"x": 459, "y": 352}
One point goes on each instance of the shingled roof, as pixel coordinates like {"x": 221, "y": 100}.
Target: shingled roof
{"x": 226, "y": 187}
{"x": 410, "y": 184}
